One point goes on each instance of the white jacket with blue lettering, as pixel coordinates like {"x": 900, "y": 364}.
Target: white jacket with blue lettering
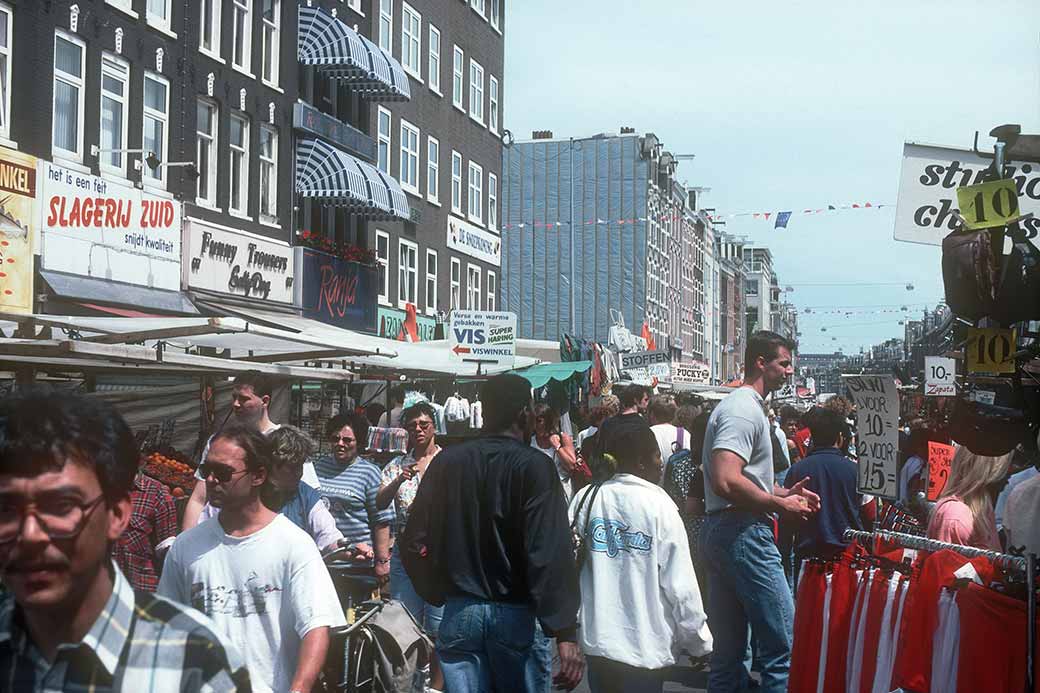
{"x": 640, "y": 604}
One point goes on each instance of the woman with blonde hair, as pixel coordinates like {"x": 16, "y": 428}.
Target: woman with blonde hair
{"x": 964, "y": 513}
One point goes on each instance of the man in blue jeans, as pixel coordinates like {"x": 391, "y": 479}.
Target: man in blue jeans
{"x": 746, "y": 577}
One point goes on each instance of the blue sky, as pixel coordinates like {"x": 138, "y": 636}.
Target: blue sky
{"x": 788, "y": 106}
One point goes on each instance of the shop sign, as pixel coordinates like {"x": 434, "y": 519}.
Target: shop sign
{"x": 237, "y": 263}
{"x": 483, "y": 337}
{"x": 877, "y": 433}
{"x": 336, "y": 291}
{"x": 474, "y": 241}
{"x": 940, "y": 375}
{"x": 644, "y": 359}
{"x": 927, "y": 205}
{"x": 695, "y": 373}
{"x": 17, "y": 219}
{"x": 390, "y": 320}
{"x": 97, "y": 228}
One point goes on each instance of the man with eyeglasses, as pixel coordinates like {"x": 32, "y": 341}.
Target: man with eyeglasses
{"x": 255, "y": 573}
{"x": 70, "y": 621}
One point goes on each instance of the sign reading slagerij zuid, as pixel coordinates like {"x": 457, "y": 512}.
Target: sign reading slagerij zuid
{"x": 927, "y": 206}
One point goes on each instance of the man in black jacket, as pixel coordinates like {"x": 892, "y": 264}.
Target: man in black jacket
{"x": 488, "y": 537}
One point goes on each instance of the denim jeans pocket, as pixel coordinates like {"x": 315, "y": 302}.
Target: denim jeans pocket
{"x": 458, "y": 630}
{"x": 512, "y": 627}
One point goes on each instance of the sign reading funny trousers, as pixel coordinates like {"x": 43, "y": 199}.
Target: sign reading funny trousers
{"x": 17, "y": 218}
{"x": 480, "y": 336}
{"x": 877, "y": 433}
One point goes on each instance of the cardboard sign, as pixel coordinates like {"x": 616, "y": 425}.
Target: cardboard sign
{"x": 939, "y": 377}
{"x": 940, "y": 457}
{"x": 988, "y": 204}
{"x": 877, "y": 433}
{"x": 697, "y": 373}
{"x": 17, "y": 230}
{"x": 984, "y": 396}
{"x": 484, "y": 337}
{"x": 644, "y": 359}
{"x": 990, "y": 350}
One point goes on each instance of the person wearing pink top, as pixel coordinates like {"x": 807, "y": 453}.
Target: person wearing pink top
{"x": 964, "y": 514}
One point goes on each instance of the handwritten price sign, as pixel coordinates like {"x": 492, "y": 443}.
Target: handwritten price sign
{"x": 877, "y": 433}
{"x": 940, "y": 457}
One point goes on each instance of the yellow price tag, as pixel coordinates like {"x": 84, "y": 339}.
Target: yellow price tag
{"x": 991, "y": 350}
{"x": 988, "y": 204}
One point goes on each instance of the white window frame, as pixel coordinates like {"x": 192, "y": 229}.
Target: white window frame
{"x": 473, "y": 298}
{"x": 7, "y": 53}
{"x": 433, "y": 76}
{"x": 431, "y": 281}
{"x": 433, "y": 170}
{"x": 243, "y": 151}
{"x": 386, "y": 33}
{"x": 271, "y": 28}
{"x": 246, "y": 8}
{"x": 492, "y": 292}
{"x": 158, "y": 180}
{"x": 216, "y": 12}
{"x": 384, "y": 138}
{"x": 456, "y": 182}
{"x": 210, "y": 198}
{"x": 458, "y": 77}
{"x": 479, "y": 6}
{"x": 492, "y": 198}
{"x": 456, "y": 284}
{"x": 156, "y": 20}
{"x": 495, "y": 16}
{"x": 115, "y": 67}
{"x": 407, "y": 273}
{"x": 493, "y": 101}
{"x": 80, "y": 83}
{"x": 383, "y": 260}
{"x": 476, "y": 91}
{"x": 270, "y": 214}
{"x": 408, "y": 158}
{"x": 356, "y": 6}
{"x": 125, "y": 6}
{"x": 410, "y": 41}
{"x": 475, "y": 193}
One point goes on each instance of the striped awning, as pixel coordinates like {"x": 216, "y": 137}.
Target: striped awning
{"x": 334, "y": 177}
{"x": 342, "y": 53}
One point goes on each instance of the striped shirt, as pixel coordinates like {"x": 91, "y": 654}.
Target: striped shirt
{"x": 139, "y": 643}
{"x": 351, "y": 496}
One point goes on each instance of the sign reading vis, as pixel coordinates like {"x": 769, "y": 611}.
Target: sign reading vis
{"x": 483, "y": 337}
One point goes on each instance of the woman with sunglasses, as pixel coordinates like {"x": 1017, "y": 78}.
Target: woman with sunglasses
{"x": 401, "y": 479}
{"x": 557, "y": 445}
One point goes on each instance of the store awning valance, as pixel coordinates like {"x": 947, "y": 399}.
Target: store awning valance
{"x": 338, "y": 51}
{"x": 541, "y": 374}
{"x": 335, "y": 177}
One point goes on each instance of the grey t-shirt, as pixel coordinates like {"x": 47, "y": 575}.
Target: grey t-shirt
{"x": 739, "y": 424}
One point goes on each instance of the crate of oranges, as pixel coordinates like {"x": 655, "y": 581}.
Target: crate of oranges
{"x": 169, "y": 468}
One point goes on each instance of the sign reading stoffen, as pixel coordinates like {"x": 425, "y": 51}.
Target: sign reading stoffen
{"x": 644, "y": 359}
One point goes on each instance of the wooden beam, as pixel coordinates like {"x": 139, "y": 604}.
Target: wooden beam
{"x": 312, "y": 355}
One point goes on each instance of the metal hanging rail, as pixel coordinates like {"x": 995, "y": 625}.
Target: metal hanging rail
{"x": 909, "y": 541}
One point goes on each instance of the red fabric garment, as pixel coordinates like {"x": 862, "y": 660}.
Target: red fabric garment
{"x": 992, "y": 653}
{"x": 872, "y": 637}
{"x": 808, "y": 629}
{"x": 153, "y": 519}
{"x": 802, "y": 439}
{"x": 843, "y": 597}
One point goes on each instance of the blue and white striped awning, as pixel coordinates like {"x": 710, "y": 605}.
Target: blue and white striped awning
{"x": 334, "y": 177}
{"x": 340, "y": 52}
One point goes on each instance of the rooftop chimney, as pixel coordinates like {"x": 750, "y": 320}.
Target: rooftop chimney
{"x": 542, "y": 135}
{"x": 625, "y": 130}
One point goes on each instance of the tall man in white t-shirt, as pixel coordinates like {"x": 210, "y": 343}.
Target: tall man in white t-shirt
{"x": 256, "y": 574}
{"x": 747, "y": 582}
{"x": 669, "y": 438}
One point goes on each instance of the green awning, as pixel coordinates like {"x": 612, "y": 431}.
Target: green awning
{"x": 541, "y": 374}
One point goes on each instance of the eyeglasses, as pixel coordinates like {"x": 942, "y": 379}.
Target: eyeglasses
{"x": 60, "y": 519}
{"x": 345, "y": 439}
{"x": 219, "y": 472}
{"x": 416, "y": 425}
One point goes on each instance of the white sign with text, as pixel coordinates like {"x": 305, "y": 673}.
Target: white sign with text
{"x": 877, "y": 433}
{"x": 483, "y": 337}
{"x": 940, "y": 376}
{"x": 474, "y": 241}
{"x": 237, "y": 263}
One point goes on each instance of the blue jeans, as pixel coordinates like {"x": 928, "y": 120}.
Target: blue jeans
{"x": 489, "y": 646}
{"x": 401, "y": 589}
{"x": 748, "y": 587}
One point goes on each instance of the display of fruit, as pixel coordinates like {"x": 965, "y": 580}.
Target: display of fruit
{"x": 169, "y": 470}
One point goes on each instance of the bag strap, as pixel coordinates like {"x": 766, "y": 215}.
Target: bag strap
{"x": 588, "y": 515}
{"x": 581, "y": 504}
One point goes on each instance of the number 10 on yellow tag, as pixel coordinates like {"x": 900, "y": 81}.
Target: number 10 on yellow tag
{"x": 991, "y": 350}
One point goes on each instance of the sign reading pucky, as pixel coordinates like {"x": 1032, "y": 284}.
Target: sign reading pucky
{"x": 237, "y": 263}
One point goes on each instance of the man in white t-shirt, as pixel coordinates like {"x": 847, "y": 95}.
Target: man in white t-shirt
{"x": 669, "y": 438}
{"x": 256, "y": 574}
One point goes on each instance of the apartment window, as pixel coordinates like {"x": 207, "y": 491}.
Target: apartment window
{"x": 456, "y": 283}
{"x": 456, "y": 182}
{"x": 239, "y": 141}
{"x": 386, "y": 25}
{"x": 476, "y": 91}
{"x": 407, "y": 273}
{"x": 431, "y": 282}
{"x": 492, "y": 216}
{"x": 159, "y": 13}
{"x": 383, "y": 137}
{"x": 206, "y": 152}
{"x": 268, "y": 172}
{"x": 242, "y": 33}
{"x": 478, "y": 5}
{"x": 472, "y": 287}
{"x": 115, "y": 79}
{"x": 476, "y": 192}
{"x": 272, "y": 22}
{"x": 434, "y": 76}
{"x": 433, "y": 169}
{"x": 411, "y": 41}
{"x": 409, "y": 162}
{"x": 383, "y": 260}
{"x": 156, "y": 124}
{"x": 209, "y": 29}
{"x": 67, "y": 127}
{"x": 6, "y": 21}
{"x": 493, "y": 104}
{"x": 492, "y": 291}
{"x": 495, "y": 13}
{"x": 458, "y": 62}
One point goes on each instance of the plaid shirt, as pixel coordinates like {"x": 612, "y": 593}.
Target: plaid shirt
{"x": 139, "y": 643}
{"x": 153, "y": 521}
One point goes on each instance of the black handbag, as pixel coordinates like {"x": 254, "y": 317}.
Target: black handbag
{"x": 982, "y": 282}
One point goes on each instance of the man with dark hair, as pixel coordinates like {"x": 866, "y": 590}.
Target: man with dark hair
{"x": 670, "y": 438}
{"x": 69, "y": 619}
{"x": 747, "y": 584}
{"x": 634, "y": 399}
{"x": 255, "y": 573}
{"x": 392, "y": 417}
{"x": 488, "y": 537}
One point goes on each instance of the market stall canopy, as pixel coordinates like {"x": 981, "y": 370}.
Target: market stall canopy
{"x": 541, "y": 374}
{"x": 546, "y": 351}
{"x": 330, "y": 175}
{"x": 91, "y": 291}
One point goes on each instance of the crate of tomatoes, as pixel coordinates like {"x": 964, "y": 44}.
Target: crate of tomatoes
{"x": 170, "y": 467}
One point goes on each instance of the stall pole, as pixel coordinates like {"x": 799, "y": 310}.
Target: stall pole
{"x": 1030, "y": 621}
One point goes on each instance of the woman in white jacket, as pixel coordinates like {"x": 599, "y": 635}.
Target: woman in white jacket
{"x": 640, "y": 604}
